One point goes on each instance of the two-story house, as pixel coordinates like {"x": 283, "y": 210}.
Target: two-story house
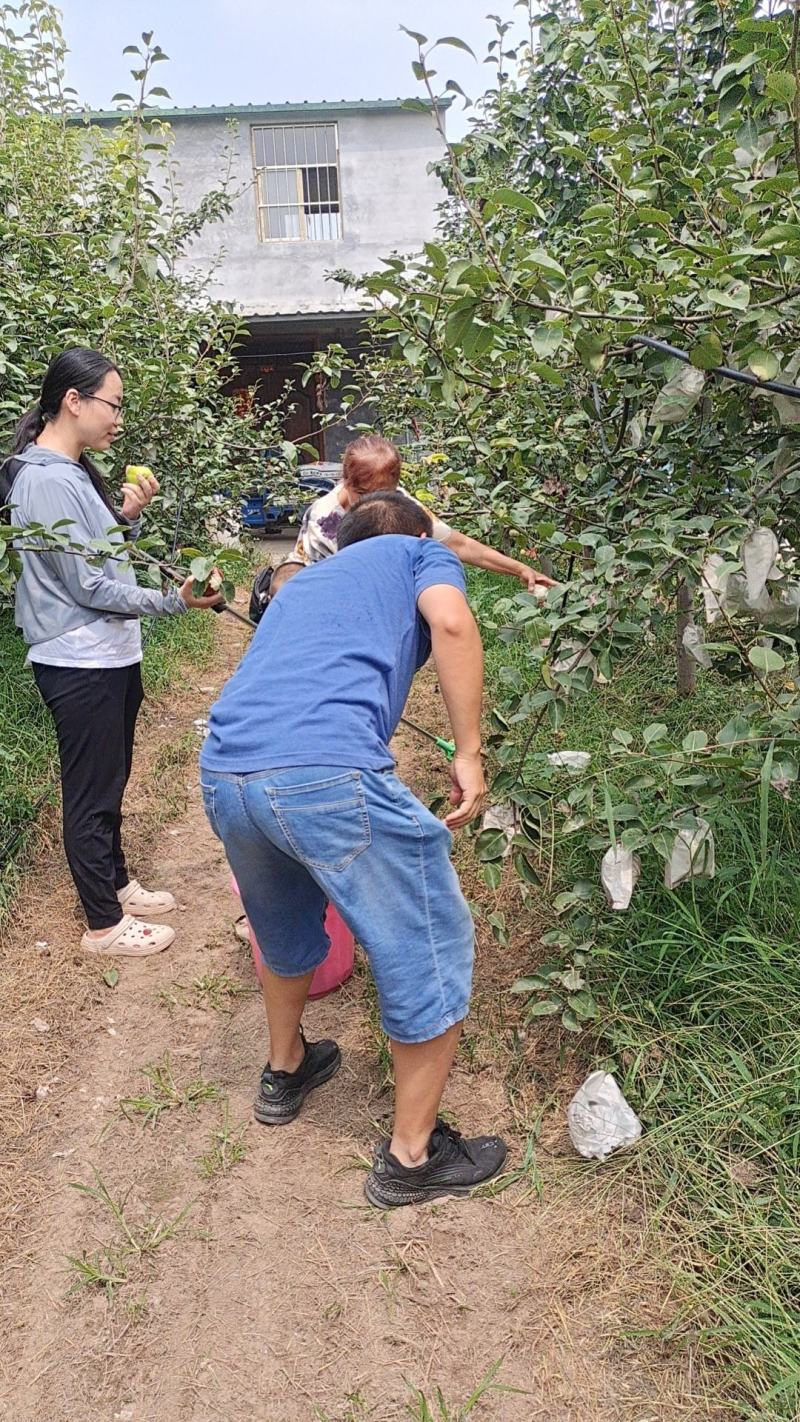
{"x": 319, "y": 187}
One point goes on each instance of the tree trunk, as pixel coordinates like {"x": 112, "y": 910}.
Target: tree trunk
{"x": 687, "y": 666}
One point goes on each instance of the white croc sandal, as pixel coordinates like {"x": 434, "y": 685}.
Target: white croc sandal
{"x": 144, "y": 903}
{"x": 130, "y": 938}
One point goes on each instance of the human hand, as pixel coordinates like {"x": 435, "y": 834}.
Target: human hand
{"x": 532, "y": 579}
{"x": 467, "y": 790}
{"x": 140, "y": 487}
{"x": 210, "y": 600}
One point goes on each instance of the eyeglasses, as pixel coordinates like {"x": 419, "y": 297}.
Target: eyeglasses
{"x": 116, "y": 408}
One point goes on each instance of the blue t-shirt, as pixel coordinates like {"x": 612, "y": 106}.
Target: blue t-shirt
{"x": 327, "y": 674}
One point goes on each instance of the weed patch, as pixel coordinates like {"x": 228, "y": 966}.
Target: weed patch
{"x": 163, "y": 1093}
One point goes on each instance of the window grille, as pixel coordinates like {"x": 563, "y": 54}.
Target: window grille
{"x": 297, "y": 182}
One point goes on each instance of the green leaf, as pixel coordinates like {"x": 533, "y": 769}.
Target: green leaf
{"x": 455, "y": 43}
{"x": 492, "y": 875}
{"x": 735, "y": 298}
{"x": 655, "y": 215}
{"x": 542, "y": 259}
{"x": 597, "y": 209}
{"x": 655, "y": 732}
{"x": 459, "y": 323}
{"x": 520, "y": 202}
{"x": 583, "y": 1004}
{"x": 547, "y": 373}
{"x": 765, "y": 659}
{"x": 489, "y": 844}
{"x": 556, "y": 711}
{"x": 736, "y": 730}
{"x": 415, "y": 35}
{"x": 547, "y": 1008}
{"x": 111, "y": 977}
{"x": 707, "y": 351}
{"x": 546, "y": 338}
{"x": 763, "y": 363}
{"x": 570, "y": 1021}
{"x": 695, "y": 741}
{"x": 592, "y": 351}
{"x": 735, "y": 68}
{"x": 731, "y": 101}
{"x": 524, "y": 868}
{"x": 781, "y": 86}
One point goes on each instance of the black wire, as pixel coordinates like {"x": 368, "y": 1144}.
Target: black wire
{"x": 623, "y": 422}
{"x": 725, "y": 371}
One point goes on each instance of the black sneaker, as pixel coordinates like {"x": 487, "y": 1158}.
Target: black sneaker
{"x": 454, "y": 1167}
{"x": 282, "y": 1093}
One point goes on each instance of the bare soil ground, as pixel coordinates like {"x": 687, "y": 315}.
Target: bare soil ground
{"x": 257, "y": 1284}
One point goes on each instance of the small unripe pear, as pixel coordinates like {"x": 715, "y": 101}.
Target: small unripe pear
{"x": 134, "y": 473}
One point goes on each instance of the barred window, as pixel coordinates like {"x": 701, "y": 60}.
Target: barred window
{"x": 297, "y": 182}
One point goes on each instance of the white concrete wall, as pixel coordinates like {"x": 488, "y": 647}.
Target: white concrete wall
{"x": 388, "y": 204}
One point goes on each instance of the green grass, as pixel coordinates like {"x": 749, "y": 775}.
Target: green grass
{"x": 172, "y": 643}
{"x": 28, "y": 754}
{"x": 106, "y": 1268}
{"x": 164, "y": 1093}
{"x": 28, "y": 757}
{"x": 226, "y": 1148}
{"x": 699, "y": 994}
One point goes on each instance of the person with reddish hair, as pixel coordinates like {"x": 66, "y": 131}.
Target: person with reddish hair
{"x": 371, "y": 464}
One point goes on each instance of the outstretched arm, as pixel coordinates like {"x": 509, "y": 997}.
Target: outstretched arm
{"x": 458, "y": 655}
{"x": 479, "y": 555}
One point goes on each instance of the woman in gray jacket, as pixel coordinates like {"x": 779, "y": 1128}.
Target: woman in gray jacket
{"x": 81, "y": 623}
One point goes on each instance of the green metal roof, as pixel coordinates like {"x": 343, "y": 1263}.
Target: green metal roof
{"x": 324, "y": 106}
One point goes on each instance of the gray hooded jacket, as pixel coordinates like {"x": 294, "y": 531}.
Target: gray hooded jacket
{"x": 57, "y": 592}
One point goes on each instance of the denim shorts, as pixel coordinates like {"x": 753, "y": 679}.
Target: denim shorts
{"x": 299, "y": 837}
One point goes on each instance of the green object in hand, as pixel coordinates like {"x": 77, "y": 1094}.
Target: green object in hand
{"x": 449, "y": 747}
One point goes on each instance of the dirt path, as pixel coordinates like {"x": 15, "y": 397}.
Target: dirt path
{"x": 272, "y": 1293}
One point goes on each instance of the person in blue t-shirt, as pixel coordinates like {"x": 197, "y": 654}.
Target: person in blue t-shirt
{"x": 301, "y": 789}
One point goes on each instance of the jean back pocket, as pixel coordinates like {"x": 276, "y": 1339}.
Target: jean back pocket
{"x": 325, "y": 822}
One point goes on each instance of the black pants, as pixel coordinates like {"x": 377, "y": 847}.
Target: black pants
{"x": 95, "y": 716}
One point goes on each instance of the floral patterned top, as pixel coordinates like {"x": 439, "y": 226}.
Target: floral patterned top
{"x": 320, "y": 527}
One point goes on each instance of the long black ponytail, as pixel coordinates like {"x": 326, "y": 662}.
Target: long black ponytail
{"x": 78, "y": 369}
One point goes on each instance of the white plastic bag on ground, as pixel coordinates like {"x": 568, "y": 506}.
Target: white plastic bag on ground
{"x": 599, "y": 1118}
{"x": 619, "y": 872}
{"x": 570, "y": 760}
{"x": 692, "y": 855}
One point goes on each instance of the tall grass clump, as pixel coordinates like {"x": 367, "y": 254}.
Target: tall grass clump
{"x": 701, "y": 1019}
{"x": 698, "y": 994}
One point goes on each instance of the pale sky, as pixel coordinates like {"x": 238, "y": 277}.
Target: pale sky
{"x": 269, "y": 51}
